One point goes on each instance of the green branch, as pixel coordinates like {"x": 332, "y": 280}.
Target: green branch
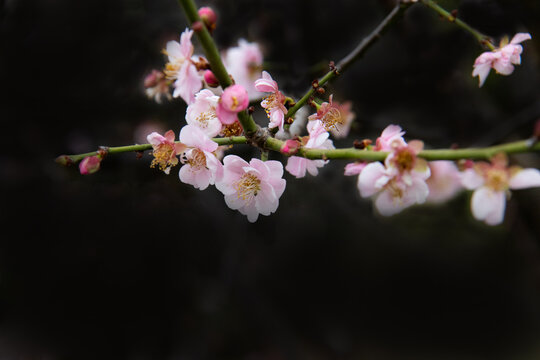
{"x": 214, "y": 58}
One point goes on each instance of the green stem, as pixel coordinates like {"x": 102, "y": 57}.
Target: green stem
{"x": 354, "y": 55}
{"x": 214, "y": 58}
{"x": 482, "y": 39}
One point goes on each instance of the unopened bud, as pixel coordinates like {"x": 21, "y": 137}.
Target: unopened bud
{"x": 197, "y": 26}
{"x": 211, "y": 79}
{"x": 290, "y": 147}
{"x": 209, "y": 17}
{"x": 153, "y": 78}
{"x": 64, "y": 160}
{"x": 89, "y": 165}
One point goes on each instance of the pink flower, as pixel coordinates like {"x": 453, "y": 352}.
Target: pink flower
{"x": 233, "y": 100}
{"x": 208, "y": 17}
{"x": 201, "y": 166}
{"x": 273, "y": 102}
{"x": 444, "y": 182}
{"x": 157, "y": 87}
{"x": 392, "y": 134}
{"x": 399, "y": 183}
{"x": 336, "y": 117}
{"x": 90, "y": 165}
{"x": 165, "y": 150}
{"x": 355, "y": 168}
{"x": 501, "y": 59}
{"x": 492, "y": 183}
{"x": 202, "y": 113}
{"x": 244, "y": 63}
{"x": 318, "y": 139}
{"x": 252, "y": 188}
{"x": 182, "y": 69}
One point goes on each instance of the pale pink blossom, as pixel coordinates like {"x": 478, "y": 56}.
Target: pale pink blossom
{"x": 274, "y": 102}
{"x": 157, "y": 87}
{"x": 400, "y": 182}
{"x": 182, "y": 69}
{"x": 165, "y": 150}
{"x": 392, "y": 134}
{"x": 501, "y": 59}
{"x": 355, "y": 168}
{"x": 318, "y": 139}
{"x": 202, "y": 113}
{"x": 492, "y": 183}
{"x": 336, "y": 117}
{"x": 201, "y": 166}
{"x": 233, "y": 100}
{"x": 444, "y": 182}
{"x": 244, "y": 63}
{"x": 251, "y": 188}
{"x": 90, "y": 164}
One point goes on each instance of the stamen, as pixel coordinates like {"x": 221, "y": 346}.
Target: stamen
{"x": 497, "y": 179}
{"x": 163, "y": 157}
{"x": 247, "y": 187}
{"x": 205, "y": 117}
{"x": 197, "y": 160}
{"x": 332, "y": 118}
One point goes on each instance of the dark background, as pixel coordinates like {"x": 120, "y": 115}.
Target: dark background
{"x": 130, "y": 263}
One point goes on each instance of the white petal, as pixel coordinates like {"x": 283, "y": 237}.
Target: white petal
{"x": 525, "y": 178}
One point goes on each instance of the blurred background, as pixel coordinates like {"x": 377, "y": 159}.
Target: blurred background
{"x": 130, "y": 263}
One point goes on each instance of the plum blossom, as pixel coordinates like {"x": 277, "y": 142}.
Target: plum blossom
{"x": 444, "y": 182}
{"x": 251, "y": 188}
{"x": 354, "y": 168}
{"x": 182, "y": 69}
{"x": 233, "y": 100}
{"x": 501, "y": 59}
{"x": 492, "y": 183}
{"x": 157, "y": 87}
{"x": 335, "y": 116}
{"x": 165, "y": 150}
{"x": 244, "y": 63}
{"x": 318, "y": 139}
{"x": 273, "y": 102}
{"x": 90, "y": 164}
{"x": 202, "y": 113}
{"x": 391, "y": 135}
{"x": 400, "y": 182}
{"x": 201, "y": 166}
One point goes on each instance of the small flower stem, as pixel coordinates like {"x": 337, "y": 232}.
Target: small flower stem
{"x": 214, "y": 58}
{"x": 482, "y": 39}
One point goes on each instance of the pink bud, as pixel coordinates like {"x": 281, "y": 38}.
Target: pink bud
{"x": 153, "y": 78}
{"x": 209, "y": 17}
{"x": 89, "y": 165}
{"x": 211, "y": 79}
{"x": 234, "y": 98}
{"x": 290, "y": 147}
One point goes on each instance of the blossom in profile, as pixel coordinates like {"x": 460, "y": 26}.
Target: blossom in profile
{"x": 273, "y": 103}
{"x": 251, "y": 188}
{"x": 201, "y": 166}
{"x": 444, "y": 182}
{"x": 90, "y": 164}
{"x": 492, "y": 183}
{"x": 318, "y": 139}
{"x": 502, "y": 59}
{"x": 233, "y": 100}
{"x": 335, "y": 116}
{"x": 244, "y": 63}
{"x": 355, "y": 168}
{"x": 157, "y": 87}
{"x": 202, "y": 113}
{"x": 400, "y": 182}
{"x": 165, "y": 150}
{"x": 391, "y": 136}
{"x": 182, "y": 69}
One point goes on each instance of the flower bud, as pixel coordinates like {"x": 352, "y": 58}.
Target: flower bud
{"x": 290, "y": 147}
{"x": 89, "y": 165}
{"x": 211, "y": 79}
{"x": 209, "y": 17}
{"x": 64, "y": 160}
{"x": 234, "y": 98}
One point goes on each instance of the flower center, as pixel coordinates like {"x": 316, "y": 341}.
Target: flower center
{"x": 404, "y": 160}
{"x": 234, "y": 129}
{"x": 205, "y": 117}
{"x": 497, "y": 179}
{"x": 197, "y": 160}
{"x": 164, "y": 156}
{"x": 332, "y": 118}
{"x": 271, "y": 101}
{"x": 247, "y": 187}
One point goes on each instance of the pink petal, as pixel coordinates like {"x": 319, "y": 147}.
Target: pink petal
{"x": 368, "y": 178}
{"x": 520, "y": 37}
{"x": 155, "y": 138}
{"x": 482, "y": 71}
{"x": 471, "y": 180}
{"x": 488, "y": 205}
{"x": 525, "y": 178}
{"x": 296, "y": 166}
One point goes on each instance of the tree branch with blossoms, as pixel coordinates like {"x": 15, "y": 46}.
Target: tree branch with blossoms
{"x": 395, "y": 173}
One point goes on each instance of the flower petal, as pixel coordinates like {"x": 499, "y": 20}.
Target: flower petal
{"x": 525, "y": 178}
